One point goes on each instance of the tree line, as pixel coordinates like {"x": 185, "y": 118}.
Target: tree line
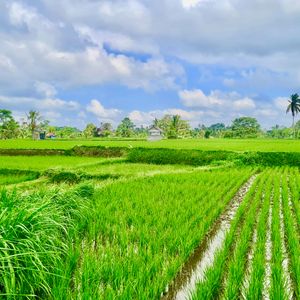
{"x": 172, "y": 126}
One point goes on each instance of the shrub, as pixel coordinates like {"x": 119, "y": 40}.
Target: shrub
{"x": 100, "y": 151}
{"x": 176, "y": 156}
{"x": 36, "y": 237}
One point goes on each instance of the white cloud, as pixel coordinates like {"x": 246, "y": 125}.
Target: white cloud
{"x": 281, "y": 103}
{"x": 52, "y": 45}
{"x": 196, "y": 98}
{"x": 38, "y": 104}
{"x": 244, "y": 104}
{"x": 146, "y": 118}
{"x": 216, "y": 100}
{"x": 190, "y": 3}
{"x": 96, "y": 108}
{"x": 187, "y": 4}
{"x": 45, "y": 89}
{"x": 143, "y": 118}
{"x": 116, "y": 41}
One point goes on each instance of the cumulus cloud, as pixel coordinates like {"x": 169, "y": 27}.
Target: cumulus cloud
{"x": 281, "y": 103}
{"x": 195, "y": 117}
{"x": 38, "y": 104}
{"x": 187, "y": 4}
{"x": 50, "y": 45}
{"x": 216, "y": 100}
{"x": 244, "y": 104}
{"x": 196, "y": 98}
{"x": 51, "y": 109}
{"x": 96, "y": 108}
{"x": 45, "y": 89}
{"x": 70, "y": 54}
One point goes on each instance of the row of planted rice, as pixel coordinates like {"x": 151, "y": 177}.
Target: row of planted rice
{"x": 127, "y": 242}
{"x": 131, "y": 238}
{"x": 260, "y": 256}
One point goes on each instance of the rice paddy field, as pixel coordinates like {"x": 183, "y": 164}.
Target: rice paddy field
{"x": 267, "y": 145}
{"x": 78, "y": 227}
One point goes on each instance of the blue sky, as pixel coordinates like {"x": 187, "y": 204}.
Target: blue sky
{"x": 99, "y": 60}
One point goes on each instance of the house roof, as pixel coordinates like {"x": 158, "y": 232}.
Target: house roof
{"x": 152, "y": 127}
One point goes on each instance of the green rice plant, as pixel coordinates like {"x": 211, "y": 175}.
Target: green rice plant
{"x": 290, "y": 223}
{"x": 143, "y": 230}
{"x": 39, "y": 163}
{"x": 211, "y": 286}
{"x": 238, "y": 261}
{"x": 277, "y": 290}
{"x": 257, "y": 275}
{"x": 294, "y": 184}
{"x": 264, "y": 145}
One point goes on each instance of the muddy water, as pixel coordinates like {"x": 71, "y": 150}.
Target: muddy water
{"x": 203, "y": 257}
{"x": 267, "y": 280}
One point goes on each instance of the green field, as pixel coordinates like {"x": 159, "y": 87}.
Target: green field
{"x": 75, "y": 227}
{"x": 266, "y": 145}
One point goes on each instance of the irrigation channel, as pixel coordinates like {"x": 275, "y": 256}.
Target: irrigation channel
{"x": 202, "y": 258}
{"x": 252, "y": 251}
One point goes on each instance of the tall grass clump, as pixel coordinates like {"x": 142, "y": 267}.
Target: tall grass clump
{"x": 35, "y": 239}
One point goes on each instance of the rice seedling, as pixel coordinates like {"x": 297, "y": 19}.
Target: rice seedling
{"x": 255, "y": 279}
{"x": 277, "y": 290}
{"x": 268, "y": 145}
{"x": 46, "y": 162}
{"x": 237, "y": 264}
{"x": 212, "y": 284}
{"x": 292, "y": 237}
{"x": 133, "y": 238}
{"x": 156, "y": 234}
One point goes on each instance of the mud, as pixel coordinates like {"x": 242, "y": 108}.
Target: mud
{"x": 267, "y": 280}
{"x": 286, "y": 260}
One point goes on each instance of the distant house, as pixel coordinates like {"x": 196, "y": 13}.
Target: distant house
{"x": 155, "y": 133}
{"x": 36, "y": 135}
{"x": 50, "y": 135}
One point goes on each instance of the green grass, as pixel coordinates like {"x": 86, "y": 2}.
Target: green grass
{"x": 266, "y": 145}
{"x": 120, "y": 167}
{"x": 45, "y": 162}
{"x": 12, "y": 179}
{"x": 8, "y": 176}
{"x": 36, "y": 238}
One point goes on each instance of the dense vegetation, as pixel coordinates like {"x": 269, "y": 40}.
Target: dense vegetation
{"x": 123, "y": 227}
{"x": 171, "y": 127}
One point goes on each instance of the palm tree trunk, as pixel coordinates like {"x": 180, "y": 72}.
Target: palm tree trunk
{"x": 294, "y": 127}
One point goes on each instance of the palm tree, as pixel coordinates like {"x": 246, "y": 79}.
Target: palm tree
{"x": 294, "y": 107}
{"x": 156, "y": 122}
{"x": 174, "y": 126}
{"x": 33, "y": 118}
